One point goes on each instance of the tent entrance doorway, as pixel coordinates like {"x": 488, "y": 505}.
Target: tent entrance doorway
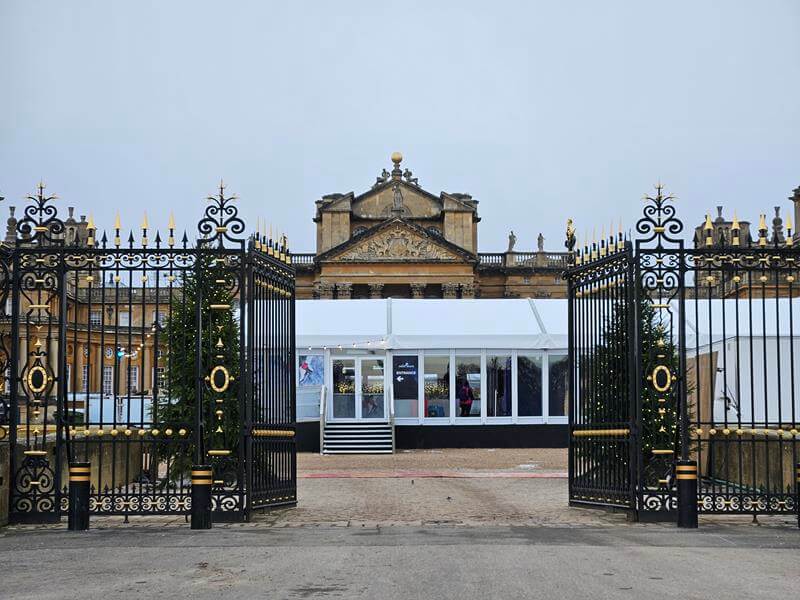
{"x": 358, "y": 393}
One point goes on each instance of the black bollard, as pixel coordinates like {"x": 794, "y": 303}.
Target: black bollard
{"x": 686, "y": 476}
{"x": 79, "y": 478}
{"x": 201, "y": 496}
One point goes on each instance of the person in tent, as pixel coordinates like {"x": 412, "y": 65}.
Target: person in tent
{"x": 465, "y": 397}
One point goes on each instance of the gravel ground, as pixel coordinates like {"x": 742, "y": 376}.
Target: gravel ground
{"x": 458, "y": 459}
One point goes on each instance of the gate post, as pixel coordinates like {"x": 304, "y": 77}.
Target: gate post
{"x": 201, "y": 496}
{"x": 686, "y": 476}
{"x": 79, "y": 477}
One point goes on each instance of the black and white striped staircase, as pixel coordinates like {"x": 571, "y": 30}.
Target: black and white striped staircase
{"x": 357, "y": 438}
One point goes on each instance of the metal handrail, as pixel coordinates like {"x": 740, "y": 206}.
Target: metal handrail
{"x": 391, "y": 414}
{"x": 322, "y": 412}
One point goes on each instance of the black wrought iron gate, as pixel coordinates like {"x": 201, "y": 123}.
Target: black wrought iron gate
{"x": 141, "y": 355}
{"x": 685, "y": 372}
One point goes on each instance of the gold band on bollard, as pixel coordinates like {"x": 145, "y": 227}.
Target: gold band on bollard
{"x": 202, "y": 477}
{"x": 686, "y": 472}
{"x": 80, "y": 474}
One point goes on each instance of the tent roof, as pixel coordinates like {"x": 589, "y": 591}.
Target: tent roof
{"x": 768, "y": 318}
{"x": 412, "y": 324}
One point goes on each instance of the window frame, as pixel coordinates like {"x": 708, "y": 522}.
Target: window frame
{"x": 511, "y": 418}
{"x": 446, "y": 420}
{"x": 530, "y": 419}
{"x": 471, "y": 353}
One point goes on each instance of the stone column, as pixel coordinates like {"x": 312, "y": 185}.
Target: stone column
{"x": 450, "y": 290}
{"x": 344, "y": 291}
{"x": 326, "y": 291}
{"x": 467, "y": 290}
{"x": 417, "y": 290}
{"x": 376, "y": 290}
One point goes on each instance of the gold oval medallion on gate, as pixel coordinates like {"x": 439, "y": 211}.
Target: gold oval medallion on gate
{"x": 662, "y": 378}
{"x": 37, "y": 379}
{"x": 219, "y": 379}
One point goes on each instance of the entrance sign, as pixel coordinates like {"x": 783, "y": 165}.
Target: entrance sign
{"x": 405, "y": 377}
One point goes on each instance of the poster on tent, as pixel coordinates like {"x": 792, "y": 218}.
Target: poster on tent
{"x": 311, "y": 370}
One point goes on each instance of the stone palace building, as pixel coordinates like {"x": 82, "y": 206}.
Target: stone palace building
{"x": 398, "y": 240}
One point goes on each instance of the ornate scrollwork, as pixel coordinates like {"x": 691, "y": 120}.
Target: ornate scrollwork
{"x": 659, "y": 223}
{"x": 34, "y": 489}
{"x": 40, "y": 222}
{"x": 221, "y": 220}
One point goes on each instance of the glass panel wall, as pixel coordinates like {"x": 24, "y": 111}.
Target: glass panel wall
{"x": 344, "y": 388}
{"x": 498, "y": 385}
{"x": 372, "y": 389}
{"x": 468, "y": 386}
{"x": 558, "y": 375}
{"x": 437, "y": 386}
{"x": 529, "y": 385}
{"x": 405, "y": 381}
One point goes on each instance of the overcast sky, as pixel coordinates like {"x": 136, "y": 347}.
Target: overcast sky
{"x": 540, "y": 110}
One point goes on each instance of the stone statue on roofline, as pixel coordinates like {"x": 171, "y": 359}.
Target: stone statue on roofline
{"x": 540, "y": 242}
{"x": 512, "y": 241}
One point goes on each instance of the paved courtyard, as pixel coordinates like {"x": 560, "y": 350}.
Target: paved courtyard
{"x": 450, "y": 524}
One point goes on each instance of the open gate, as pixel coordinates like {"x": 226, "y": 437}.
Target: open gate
{"x": 685, "y": 372}
{"x": 138, "y": 356}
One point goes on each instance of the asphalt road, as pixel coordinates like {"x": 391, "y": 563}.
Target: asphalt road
{"x": 738, "y": 561}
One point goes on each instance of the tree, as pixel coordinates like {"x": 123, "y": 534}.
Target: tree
{"x": 219, "y": 338}
{"x": 607, "y": 373}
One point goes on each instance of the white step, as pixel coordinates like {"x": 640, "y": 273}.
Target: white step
{"x": 357, "y": 438}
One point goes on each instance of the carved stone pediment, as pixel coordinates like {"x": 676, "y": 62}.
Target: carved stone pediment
{"x": 397, "y": 242}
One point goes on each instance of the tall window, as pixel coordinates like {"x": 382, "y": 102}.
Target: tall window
{"x": 96, "y": 318}
{"x": 468, "y": 386}
{"x": 85, "y": 378}
{"x": 437, "y": 386}
{"x": 108, "y": 380}
{"x": 161, "y": 380}
{"x": 124, "y": 318}
{"x": 498, "y": 385}
{"x": 159, "y": 317}
{"x": 558, "y": 374}
{"x": 133, "y": 380}
{"x": 529, "y": 385}
{"x": 69, "y": 377}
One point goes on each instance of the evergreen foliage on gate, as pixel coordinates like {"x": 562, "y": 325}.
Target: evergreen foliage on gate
{"x": 179, "y": 405}
{"x": 659, "y": 420}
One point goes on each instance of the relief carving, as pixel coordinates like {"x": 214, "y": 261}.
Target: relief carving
{"x": 396, "y": 243}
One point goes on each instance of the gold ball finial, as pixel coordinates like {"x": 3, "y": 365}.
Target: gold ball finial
{"x": 397, "y": 158}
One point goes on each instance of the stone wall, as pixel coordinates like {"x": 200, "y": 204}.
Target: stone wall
{"x": 126, "y": 461}
{"x": 753, "y": 463}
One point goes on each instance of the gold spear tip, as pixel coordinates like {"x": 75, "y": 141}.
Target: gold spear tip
{"x": 735, "y": 224}
{"x": 708, "y": 224}
{"x": 90, "y": 224}
{"x": 144, "y": 221}
{"x": 171, "y": 224}
{"x": 762, "y": 222}
{"x": 117, "y": 222}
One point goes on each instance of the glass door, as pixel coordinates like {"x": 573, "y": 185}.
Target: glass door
{"x": 344, "y": 389}
{"x": 373, "y": 399}
{"x": 358, "y": 389}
